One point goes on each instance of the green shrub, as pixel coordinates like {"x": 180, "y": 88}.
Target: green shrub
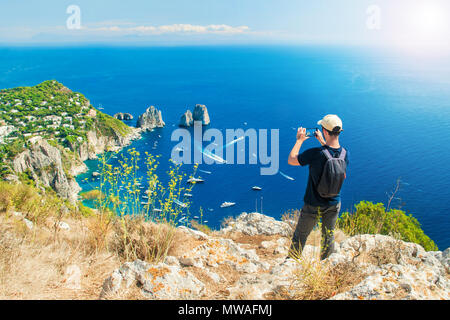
{"x": 370, "y": 218}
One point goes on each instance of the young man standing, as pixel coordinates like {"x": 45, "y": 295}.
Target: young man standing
{"x": 327, "y": 165}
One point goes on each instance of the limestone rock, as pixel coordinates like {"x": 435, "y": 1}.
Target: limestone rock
{"x": 160, "y": 281}
{"x": 256, "y": 223}
{"x": 201, "y": 114}
{"x": 123, "y": 116}
{"x": 150, "y": 119}
{"x": 44, "y": 162}
{"x": 186, "y": 119}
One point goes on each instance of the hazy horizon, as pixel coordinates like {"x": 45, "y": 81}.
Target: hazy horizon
{"x": 408, "y": 24}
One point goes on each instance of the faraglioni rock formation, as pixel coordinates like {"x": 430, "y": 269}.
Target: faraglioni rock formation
{"x": 150, "y": 119}
{"x": 123, "y": 116}
{"x": 201, "y": 114}
{"x": 186, "y": 119}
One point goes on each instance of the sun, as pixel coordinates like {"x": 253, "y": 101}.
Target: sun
{"x": 428, "y": 19}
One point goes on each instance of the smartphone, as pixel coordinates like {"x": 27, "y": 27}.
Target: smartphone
{"x": 311, "y": 132}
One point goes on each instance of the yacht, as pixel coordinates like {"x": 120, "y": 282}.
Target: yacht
{"x": 256, "y": 188}
{"x": 195, "y": 180}
{"x": 227, "y": 204}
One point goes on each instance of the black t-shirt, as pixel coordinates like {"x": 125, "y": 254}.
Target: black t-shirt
{"x": 315, "y": 158}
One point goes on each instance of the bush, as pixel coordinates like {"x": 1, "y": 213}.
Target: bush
{"x": 370, "y": 218}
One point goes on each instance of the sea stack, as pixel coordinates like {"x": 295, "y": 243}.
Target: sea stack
{"x": 150, "y": 119}
{"x": 186, "y": 119}
{"x": 123, "y": 116}
{"x": 201, "y": 114}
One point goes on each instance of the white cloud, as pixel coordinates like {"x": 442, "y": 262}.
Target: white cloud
{"x": 173, "y": 28}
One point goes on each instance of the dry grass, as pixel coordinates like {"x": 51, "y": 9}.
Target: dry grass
{"x": 134, "y": 238}
{"x": 34, "y": 262}
{"x": 320, "y": 280}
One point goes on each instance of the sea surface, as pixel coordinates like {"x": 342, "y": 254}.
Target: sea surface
{"x": 395, "y": 110}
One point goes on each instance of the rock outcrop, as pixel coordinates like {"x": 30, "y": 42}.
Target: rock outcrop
{"x": 201, "y": 114}
{"x": 54, "y": 168}
{"x": 186, "y": 119}
{"x": 123, "y": 116}
{"x": 247, "y": 260}
{"x": 256, "y": 223}
{"x": 150, "y": 119}
{"x": 44, "y": 163}
{"x": 97, "y": 144}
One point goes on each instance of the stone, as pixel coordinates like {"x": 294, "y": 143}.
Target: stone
{"x": 157, "y": 281}
{"x": 28, "y": 223}
{"x": 123, "y": 116}
{"x": 72, "y": 277}
{"x": 201, "y": 114}
{"x": 63, "y": 225}
{"x": 186, "y": 119}
{"x": 150, "y": 119}
{"x": 258, "y": 224}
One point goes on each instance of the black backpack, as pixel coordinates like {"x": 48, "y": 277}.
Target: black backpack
{"x": 333, "y": 175}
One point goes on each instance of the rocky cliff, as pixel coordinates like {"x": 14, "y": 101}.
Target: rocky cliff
{"x": 150, "y": 119}
{"x": 53, "y": 167}
{"x": 247, "y": 260}
{"x": 44, "y": 163}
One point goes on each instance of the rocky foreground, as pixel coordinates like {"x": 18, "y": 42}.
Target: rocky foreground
{"x": 247, "y": 260}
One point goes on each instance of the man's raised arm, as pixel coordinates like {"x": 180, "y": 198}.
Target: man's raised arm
{"x": 293, "y": 155}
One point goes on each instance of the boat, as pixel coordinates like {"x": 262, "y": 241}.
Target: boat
{"x": 189, "y": 195}
{"x": 144, "y": 197}
{"x": 210, "y": 209}
{"x": 256, "y": 188}
{"x": 157, "y": 210}
{"x": 227, "y": 204}
{"x": 208, "y": 172}
{"x": 181, "y": 204}
{"x": 195, "y": 180}
{"x": 196, "y": 217}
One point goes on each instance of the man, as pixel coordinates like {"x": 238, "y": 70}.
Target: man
{"x": 316, "y": 201}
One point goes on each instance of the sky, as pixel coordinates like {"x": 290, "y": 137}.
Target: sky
{"x": 415, "y": 23}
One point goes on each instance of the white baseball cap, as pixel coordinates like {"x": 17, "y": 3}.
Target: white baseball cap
{"x": 331, "y": 122}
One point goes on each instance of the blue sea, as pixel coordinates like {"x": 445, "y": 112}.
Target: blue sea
{"x": 395, "y": 110}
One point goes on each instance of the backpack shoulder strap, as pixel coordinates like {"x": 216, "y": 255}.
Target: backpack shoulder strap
{"x": 343, "y": 153}
{"x": 327, "y": 153}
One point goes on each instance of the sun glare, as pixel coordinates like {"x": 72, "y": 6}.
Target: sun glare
{"x": 427, "y": 24}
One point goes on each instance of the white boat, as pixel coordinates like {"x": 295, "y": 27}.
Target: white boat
{"x": 181, "y": 204}
{"x": 210, "y": 209}
{"x": 196, "y": 217}
{"x": 208, "y": 172}
{"x": 256, "y": 188}
{"x": 189, "y": 195}
{"x": 157, "y": 210}
{"x": 227, "y": 204}
{"x": 195, "y": 180}
{"x": 144, "y": 197}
